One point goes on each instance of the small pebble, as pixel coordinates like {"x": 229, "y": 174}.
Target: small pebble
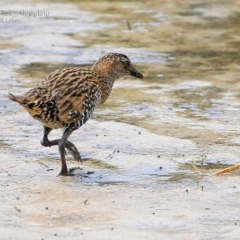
{"x": 46, "y": 208}
{"x": 186, "y": 190}
{"x": 160, "y": 168}
{"x": 18, "y": 209}
{"x": 158, "y": 156}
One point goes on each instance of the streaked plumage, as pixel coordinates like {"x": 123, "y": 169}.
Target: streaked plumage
{"x": 67, "y": 97}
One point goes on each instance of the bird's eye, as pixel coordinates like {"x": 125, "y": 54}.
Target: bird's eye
{"x": 126, "y": 64}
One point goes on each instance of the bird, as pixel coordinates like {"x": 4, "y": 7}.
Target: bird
{"x": 67, "y": 98}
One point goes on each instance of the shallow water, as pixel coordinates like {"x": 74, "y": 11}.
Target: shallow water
{"x": 137, "y": 179}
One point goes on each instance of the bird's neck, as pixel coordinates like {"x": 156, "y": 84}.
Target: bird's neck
{"x": 106, "y": 87}
{"x": 108, "y": 77}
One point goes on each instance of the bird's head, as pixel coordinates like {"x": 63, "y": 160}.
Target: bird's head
{"x": 115, "y": 65}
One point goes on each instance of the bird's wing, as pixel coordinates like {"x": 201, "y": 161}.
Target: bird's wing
{"x": 77, "y": 97}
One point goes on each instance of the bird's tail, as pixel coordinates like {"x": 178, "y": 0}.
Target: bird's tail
{"x": 18, "y": 99}
{"x": 30, "y": 106}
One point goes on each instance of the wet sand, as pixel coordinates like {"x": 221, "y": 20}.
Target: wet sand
{"x": 137, "y": 179}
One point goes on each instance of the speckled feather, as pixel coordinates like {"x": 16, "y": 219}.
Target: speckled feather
{"x": 71, "y": 94}
{"x": 67, "y": 97}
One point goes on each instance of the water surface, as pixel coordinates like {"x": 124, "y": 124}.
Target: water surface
{"x": 137, "y": 180}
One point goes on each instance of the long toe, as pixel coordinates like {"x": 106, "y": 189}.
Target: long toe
{"x": 66, "y": 174}
{"x": 45, "y": 143}
{"x": 77, "y": 157}
{"x": 71, "y": 170}
{"x": 73, "y": 151}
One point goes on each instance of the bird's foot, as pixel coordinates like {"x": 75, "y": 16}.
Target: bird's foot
{"x": 74, "y": 151}
{"x": 68, "y": 172}
{"x": 45, "y": 142}
{"x": 74, "y": 169}
{"x": 68, "y": 145}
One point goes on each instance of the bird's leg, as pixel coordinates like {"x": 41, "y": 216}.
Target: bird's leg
{"x": 61, "y": 145}
{"x": 45, "y": 141}
{"x": 69, "y": 145}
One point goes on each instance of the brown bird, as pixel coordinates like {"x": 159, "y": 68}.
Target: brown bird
{"x": 67, "y": 97}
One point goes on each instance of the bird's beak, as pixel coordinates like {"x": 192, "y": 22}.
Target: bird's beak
{"x": 134, "y": 72}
